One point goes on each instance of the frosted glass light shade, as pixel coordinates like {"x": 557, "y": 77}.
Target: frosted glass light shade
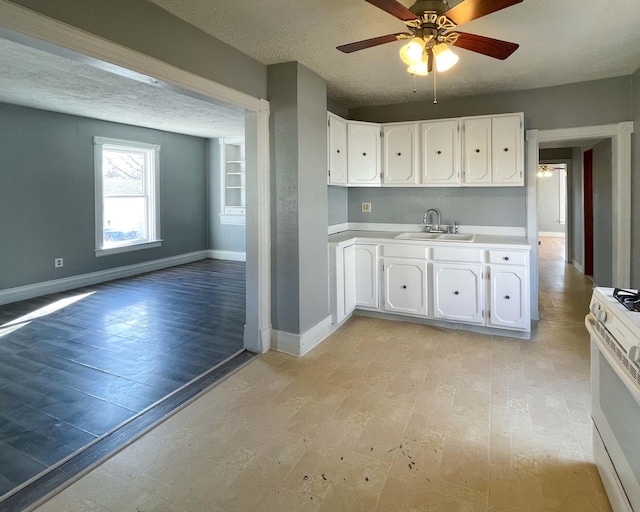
{"x": 445, "y": 58}
{"x": 421, "y": 68}
{"x": 411, "y": 53}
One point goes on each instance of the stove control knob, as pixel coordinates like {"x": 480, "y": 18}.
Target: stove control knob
{"x": 634, "y": 353}
{"x": 595, "y": 307}
{"x": 601, "y": 315}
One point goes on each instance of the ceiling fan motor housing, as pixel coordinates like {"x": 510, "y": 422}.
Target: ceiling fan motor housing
{"x": 423, "y": 6}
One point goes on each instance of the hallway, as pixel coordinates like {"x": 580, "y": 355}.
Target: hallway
{"x": 385, "y": 416}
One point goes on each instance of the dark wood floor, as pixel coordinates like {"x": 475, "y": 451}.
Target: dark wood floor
{"x": 71, "y": 375}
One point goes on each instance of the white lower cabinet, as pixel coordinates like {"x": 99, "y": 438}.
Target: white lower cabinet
{"x": 349, "y": 279}
{"x": 509, "y": 305}
{"x": 366, "y": 276}
{"x": 458, "y": 292}
{"x": 405, "y": 286}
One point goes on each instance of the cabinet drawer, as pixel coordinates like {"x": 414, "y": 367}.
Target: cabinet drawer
{"x": 507, "y": 257}
{"x": 457, "y": 254}
{"x": 405, "y": 251}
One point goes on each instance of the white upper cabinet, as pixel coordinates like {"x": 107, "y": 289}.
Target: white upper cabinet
{"x": 476, "y": 151}
{"x": 507, "y": 135}
{"x": 337, "y": 150}
{"x": 492, "y": 151}
{"x": 363, "y": 153}
{"x": 440, "y": 145}
{"x": 400, "y": 154}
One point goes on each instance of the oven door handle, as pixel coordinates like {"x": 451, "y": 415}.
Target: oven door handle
{"x": 631, "y": 384}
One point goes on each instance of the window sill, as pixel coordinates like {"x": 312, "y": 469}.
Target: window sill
{"x": 127, "y": 248}
{"x": 234, "y": 219}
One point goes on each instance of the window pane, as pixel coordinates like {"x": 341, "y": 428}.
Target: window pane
{"x": 122, "y": 172}
{"x": 125, "y": 220}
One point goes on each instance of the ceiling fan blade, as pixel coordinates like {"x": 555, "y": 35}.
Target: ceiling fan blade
{"x": 468, "y": 10}
{"x": 395, "y": 9}
{"x": 375, "y": 41}
{"x": 485, "y": 45}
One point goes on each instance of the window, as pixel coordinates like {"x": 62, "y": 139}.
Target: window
{"x": 127, "y": 197}
{"x": 233, "y": 181}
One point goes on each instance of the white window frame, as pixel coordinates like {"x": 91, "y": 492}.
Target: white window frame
{"x": 152, "y": 180}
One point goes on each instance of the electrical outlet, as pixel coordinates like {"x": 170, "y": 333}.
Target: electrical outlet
{"x": 366, "y": 207}
{"x": 58, "y": 263}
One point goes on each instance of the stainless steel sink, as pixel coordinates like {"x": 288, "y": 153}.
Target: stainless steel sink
{"x": 418, "y": 236}
{"x": 457, "y": 237}
{"x": 437, "y": 237}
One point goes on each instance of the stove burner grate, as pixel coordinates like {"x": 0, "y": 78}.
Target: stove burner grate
{"x": 630, "y": 299}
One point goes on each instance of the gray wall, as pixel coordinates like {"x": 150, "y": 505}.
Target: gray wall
{"x": 602, "y": 214}
{"x": 576, "y": 184}
{"x": 549, "y": 203}
{"x": 221, "y": 237}
{"x": 491, "y": 206}
{"x": 338, "y": 205}
{"x": 565, "y": 106}
{"x": 47, "y": 194}
{"x": 635, "y": 185}
{"x": 337, "y": 109}
{"x": 149, "y": 29}
{"x": 299, "y": 205}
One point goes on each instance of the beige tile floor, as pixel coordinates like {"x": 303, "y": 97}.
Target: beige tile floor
{"x": 382, "y": 416}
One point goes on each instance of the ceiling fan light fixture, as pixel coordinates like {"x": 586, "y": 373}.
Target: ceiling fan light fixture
{"x": 445, "y": 58}
{"x": 421, "y": 69}
{"x": 411, "y": 53}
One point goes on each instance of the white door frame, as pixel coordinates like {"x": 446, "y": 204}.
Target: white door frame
{"x": 620, "y": 135}
{"x": 567, "y": 203}
{"x": 33, "y": 29}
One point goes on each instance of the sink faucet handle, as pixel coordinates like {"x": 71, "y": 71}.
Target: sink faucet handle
{"x": 455, "y": 226}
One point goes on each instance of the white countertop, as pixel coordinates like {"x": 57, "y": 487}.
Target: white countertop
{"x": 381, "y": 237}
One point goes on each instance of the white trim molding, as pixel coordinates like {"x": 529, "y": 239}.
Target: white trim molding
{"x": 578, "y": 266}
{"x": 36, "y": 30}
{"x": 216, "y": 254}
{"x": 300, "y": 344}
{"x": 69, "y": 283}
{"x": 620, "y": 135}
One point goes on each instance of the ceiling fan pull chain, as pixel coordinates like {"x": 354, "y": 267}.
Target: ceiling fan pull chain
{"x": 415, "y": 90}
{"x": 435, "y": 86}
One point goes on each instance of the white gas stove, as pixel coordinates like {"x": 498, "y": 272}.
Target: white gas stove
{"x": 615, "y": 387}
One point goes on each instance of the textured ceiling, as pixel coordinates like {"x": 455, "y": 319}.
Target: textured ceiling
{"x": 37, "y": 79}
{"x": 561, "y": 41}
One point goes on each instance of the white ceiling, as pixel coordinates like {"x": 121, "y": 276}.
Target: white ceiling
{"x": 37, "y": 79}
{"x": 561, "y": 41}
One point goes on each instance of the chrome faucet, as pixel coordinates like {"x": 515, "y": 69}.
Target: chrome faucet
{"x": 426, "y": 217}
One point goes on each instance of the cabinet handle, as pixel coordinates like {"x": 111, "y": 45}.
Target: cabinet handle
{"x": 507, "y": 297}
{"x": 506, "y": 149}
{"x": 337, "y": 151}
{"x": 399, "y": 154}
{"x": 404, "y": 287}
{"x": 456, "y": 293}
{"x": 364, "y": 154}
{"x": 439, "y": 152}
{"x": 506, "y": 258}
{"x": 477, "y": 151}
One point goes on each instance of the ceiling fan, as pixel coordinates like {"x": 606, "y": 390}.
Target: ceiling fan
{"x": 431, "y": 25}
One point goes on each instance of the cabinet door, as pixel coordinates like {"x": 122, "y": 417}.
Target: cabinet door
{"x": 405, "y": 286}
{"x": 337, "y": 157}
{"x": 400, "y": 154}
{"x": 367, "y": 279}
{"x": 477, "y": 151}
{"x": 349, "y": 279}
{"x": 508, "y": 297}
{"x": 507, "y": 141}
{"x": 457, "y": 291}
{"x": 440, "y": 145}
{"x": 363, "y": 153}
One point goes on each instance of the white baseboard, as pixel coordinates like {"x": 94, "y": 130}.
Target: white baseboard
{"x": 69, "y": 283}
{"x": 578, "y": 266}
{"x": 300, "y": 344}
{"x": 554, "y": 234}
{"x": 215, "y": 254}
{"x": 378, "y": 226}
